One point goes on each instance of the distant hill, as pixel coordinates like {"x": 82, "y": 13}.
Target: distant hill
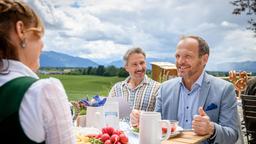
{"x": 249, "y": 66}
{"x": 55, "y": 59}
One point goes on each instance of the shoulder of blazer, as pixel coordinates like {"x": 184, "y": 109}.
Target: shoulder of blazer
{"x": 171, "y": 82}
{"x": 217, "y": 81}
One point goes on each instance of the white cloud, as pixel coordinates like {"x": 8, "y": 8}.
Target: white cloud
{"x": 236, "y": 46}
{"x": 103, "y": 30}
{"x": 228, "y": 24}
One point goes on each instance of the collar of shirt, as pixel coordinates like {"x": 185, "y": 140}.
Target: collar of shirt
{"x": 144, "y": 81}
{"x": 196, "y": 85}
{"x": 19, "y": 68}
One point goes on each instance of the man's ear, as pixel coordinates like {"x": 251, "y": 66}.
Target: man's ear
{"x": 126, "y": 68}
{"x": 205, "y": 58}
{"x": 19, "y": 29}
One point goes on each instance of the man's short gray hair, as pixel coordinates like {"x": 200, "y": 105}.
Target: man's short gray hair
{"x": 132, "y": 51}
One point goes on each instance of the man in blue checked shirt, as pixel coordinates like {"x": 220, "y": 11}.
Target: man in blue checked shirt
{"x": 138, "y": 89}
{"x": 198, "y": 100}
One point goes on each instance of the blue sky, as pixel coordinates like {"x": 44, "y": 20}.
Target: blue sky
{"x": 102, "y": 30}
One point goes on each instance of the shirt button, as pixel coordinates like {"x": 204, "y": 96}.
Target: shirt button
{"x": 187, "y": 107}
{"x": 186, "y": 120}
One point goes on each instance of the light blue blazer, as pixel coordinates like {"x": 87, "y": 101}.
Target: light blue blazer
{"x": 214, "y": 91}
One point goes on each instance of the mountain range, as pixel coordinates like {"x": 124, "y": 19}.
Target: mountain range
{"x": 56, "y": 59}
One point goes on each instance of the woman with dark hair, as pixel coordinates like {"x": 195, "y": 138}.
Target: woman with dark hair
{"x": 32, "y": 110}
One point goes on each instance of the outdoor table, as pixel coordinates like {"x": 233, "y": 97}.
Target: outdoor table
{"x": 187, "y": 137}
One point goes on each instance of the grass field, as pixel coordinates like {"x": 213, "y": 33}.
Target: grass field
{"x": 80, "y": 86}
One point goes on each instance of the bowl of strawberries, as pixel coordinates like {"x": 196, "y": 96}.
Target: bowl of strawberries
{"x": 109, "y": 135}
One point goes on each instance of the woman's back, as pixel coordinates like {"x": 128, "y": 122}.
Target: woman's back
{"x": 44, "y": 108}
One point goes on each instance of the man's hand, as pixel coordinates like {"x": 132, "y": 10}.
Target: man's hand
{"x": 135, "y": 118}
{"x": 202, "y": 124}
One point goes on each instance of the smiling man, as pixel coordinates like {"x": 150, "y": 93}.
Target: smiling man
{"x": 138, "y": 89}
{"x": 198, "y": 100}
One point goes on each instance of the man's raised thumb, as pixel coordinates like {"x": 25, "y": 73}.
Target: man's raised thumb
{"x": 201, "y": 112}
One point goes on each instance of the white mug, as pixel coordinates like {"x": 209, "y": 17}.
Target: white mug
{"x": 150, "y": 130}
{"x": 95, "y": 117}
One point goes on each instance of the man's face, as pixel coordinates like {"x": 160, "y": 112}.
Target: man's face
{"x": 188, "y": 62}
{"x": 136, "y": 66}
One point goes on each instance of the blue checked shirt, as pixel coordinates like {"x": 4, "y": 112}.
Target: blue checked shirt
{"x": 143, "y": 97}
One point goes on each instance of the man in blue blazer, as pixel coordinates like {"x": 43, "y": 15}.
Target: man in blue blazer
{"x": 198, "y": 100}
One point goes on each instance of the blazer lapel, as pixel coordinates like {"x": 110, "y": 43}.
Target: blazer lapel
{"x": 204, "y": 90}
{"x": 175, "y": 106}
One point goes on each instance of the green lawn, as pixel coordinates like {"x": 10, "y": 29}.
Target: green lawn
{"x": 80, "y": 86}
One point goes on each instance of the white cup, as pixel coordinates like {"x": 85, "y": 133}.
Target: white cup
{"x": 95, "y": 117}
{"x": 150, "y": 128}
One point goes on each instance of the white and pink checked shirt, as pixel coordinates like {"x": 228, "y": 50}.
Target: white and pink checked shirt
{"x": 44, "y": 113}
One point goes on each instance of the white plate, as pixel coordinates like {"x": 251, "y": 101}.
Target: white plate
{"x": 173, "y": 134}
{"x": 176, "y": 132}
{"x": 86, "y": 130}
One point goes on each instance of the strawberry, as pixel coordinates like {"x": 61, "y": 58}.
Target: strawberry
{"x": 104, "y": 130}
{"x": 110, "y": 130}
{"x": 114, "y": 138}
{"x": 123, "y": 139}
{"x": 104, "y": 137}
{"x": 98, "y": 136}
{"x": 173, "y": 128}
{"x": 108, "y": 142}
{"x": 117, "y": 132}
{"x": 164, "y": 130}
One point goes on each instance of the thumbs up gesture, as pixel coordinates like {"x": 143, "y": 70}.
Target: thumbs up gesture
{"x": 202, "y": 124}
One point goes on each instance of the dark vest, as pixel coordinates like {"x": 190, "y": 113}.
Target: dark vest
{"x": 11, "y": 95}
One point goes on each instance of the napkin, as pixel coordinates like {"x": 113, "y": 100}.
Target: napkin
{"x": 96, "y": 101}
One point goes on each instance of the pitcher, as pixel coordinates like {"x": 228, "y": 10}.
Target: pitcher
{"x": 150, "y": 131}
{"x": 95, "y": 117}
{"x": 111, "y": 113}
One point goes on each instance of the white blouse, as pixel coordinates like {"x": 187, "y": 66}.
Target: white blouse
{"x": 44, "y": 112}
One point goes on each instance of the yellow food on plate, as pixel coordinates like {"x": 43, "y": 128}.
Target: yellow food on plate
{"x": 81, "y": 139}
{"x": 82, "y": 134}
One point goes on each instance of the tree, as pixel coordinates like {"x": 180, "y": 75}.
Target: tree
{"x": 111, "y": 71}
{"x": 100, "y": 70}
{"x": 248, "y": 6}
{"x": 122, "y": 73}
{"x": 89, "y": 70}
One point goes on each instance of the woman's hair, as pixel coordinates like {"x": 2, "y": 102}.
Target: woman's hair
{"x": 12, "y": 11}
